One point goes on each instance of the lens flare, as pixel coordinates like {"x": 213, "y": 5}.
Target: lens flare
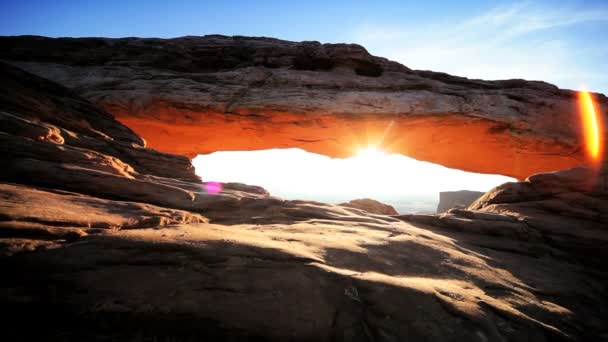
{"x": 213, "y": 187}
{"x": 590, "y": 125}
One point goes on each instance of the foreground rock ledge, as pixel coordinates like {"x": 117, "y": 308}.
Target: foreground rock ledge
{"x": 187, "y": 95}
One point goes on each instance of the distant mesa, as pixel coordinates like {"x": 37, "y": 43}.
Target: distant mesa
{"x": 371, "y": 206}
{"x": 456, "y": 199}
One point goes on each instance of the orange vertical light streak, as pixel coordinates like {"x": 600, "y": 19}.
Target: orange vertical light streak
{"x": 590, "y": 125}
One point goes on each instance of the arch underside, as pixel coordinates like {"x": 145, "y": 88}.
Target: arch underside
{"x": 455, "y": 141}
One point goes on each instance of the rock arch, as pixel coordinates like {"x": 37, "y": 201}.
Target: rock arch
{"x": 193, "y": 95}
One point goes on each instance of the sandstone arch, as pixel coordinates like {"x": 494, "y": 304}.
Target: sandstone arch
{"x": 194, "y": 95}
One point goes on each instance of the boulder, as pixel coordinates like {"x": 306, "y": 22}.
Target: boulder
{"x": 371, "y": 206}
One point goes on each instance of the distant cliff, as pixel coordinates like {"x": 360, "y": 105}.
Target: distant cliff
{"x": 456, "y": 199}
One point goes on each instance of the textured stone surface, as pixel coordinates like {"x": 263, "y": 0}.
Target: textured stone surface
{"x": 99, "y": 242}
{"x": 187, "y": 95}
{"x": 317, "y": 280}
{"x": 456, "y": 199}
{"x": 34, "y": 108}
{"x": 33, "y": 217}
{"x": 371, "y": 206}
{"x": 566, "y": 211}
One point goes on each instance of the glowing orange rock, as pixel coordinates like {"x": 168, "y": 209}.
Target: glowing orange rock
{"x": 456, "y": 141}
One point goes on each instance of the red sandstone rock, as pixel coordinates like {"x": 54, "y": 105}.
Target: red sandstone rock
{"x": 194, "y": 95}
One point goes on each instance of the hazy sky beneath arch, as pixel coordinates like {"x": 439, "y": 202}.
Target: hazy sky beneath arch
{"x": 407, "y": 184}
{"x": 562, "y": 42}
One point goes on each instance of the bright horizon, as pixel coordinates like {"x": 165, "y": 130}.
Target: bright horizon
{"x": 296, "y": 174}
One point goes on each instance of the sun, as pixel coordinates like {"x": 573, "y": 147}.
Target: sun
{"x": 370, "y": 153}
{"x": 371, "y": 163}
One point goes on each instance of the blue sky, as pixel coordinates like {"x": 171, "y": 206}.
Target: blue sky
{"x": 562, "y": 42}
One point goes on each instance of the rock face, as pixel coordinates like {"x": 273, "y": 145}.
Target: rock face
{"x": 186, "y": 95}
{"x": 568, "y": 208}
{"x": 32, "y": 218}
{"x": 371, "y": 206}
{"x": 80, "y": 133}
{"x": 564, "y": 212}
{"x": 104, "y": 239}
{"x": 456, "y": 199}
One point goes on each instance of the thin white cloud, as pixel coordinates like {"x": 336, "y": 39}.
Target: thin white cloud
{"x": 504, "y": 42}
